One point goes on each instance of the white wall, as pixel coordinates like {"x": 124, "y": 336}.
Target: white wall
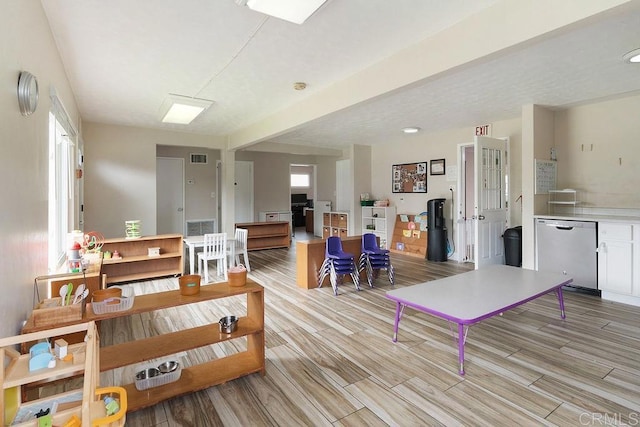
{"x": 598, "y": 152}
{"x": 425, "y": 146}
{"x": 120, "y": 174}
{"x": 25, "y": 44}
{"x": 198, "y": 201}
{"x": 272, "y": 178}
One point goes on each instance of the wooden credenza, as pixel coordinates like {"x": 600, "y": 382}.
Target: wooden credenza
{"x": 193, "y": 378}
{"x": 136, "y": 264}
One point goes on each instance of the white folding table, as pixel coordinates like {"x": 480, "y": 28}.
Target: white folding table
{"x": 473, "y": 296}
{"x": 194, "y": 242}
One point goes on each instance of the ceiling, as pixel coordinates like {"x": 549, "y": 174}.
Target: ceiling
{"x": 124, "y": 57}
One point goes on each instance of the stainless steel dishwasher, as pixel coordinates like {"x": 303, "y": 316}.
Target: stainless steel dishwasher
{"x": 568, "y": 247}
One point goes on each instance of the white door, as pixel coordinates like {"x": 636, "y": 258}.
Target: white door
{"x": 243, "y": 186}
{"x": 170, "y": 195}
{"x": 490, "y": 210}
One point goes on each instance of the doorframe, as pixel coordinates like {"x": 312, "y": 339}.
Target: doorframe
{"x": 218, "y": 195}
{"x": 461, "y": 190}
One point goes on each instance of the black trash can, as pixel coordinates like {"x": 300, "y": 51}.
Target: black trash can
{"x": 513, "y": 246}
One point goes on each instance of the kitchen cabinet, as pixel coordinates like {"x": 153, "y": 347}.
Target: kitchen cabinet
{"x": 619, "y": 261}
{"x": 197, "y": 377}
{"x": 379, "y": 221}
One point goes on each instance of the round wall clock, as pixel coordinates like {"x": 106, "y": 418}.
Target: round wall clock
{"x": 27, "y": 93}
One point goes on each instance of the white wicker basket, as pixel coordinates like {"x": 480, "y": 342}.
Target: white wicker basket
{"x": 113, "y": 305}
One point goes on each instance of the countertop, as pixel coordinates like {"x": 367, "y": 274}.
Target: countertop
{"x": 592, "y": 217}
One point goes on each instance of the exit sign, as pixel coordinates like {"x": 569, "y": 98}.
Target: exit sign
{"x": 484, "y": 130}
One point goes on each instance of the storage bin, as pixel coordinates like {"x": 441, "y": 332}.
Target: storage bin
{"x": 190, "y": 284}
{"x": 237, "y": 276}
{"x": 114, "y": 304}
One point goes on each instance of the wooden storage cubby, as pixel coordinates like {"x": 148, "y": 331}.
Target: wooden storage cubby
{"x": 197, "y": 377}
{"x": 412, "y": 245}
{"x": 136, "y": 264}
{"x": 267, "y": 235}
{"x": 335, "y": 224}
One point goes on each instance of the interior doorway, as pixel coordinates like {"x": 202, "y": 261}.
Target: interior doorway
{"x": 483, "y": 198}
{"x": 302, "y": 192}
{"x": 170, "y": 195}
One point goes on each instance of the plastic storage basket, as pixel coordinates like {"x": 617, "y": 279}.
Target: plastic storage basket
{"x": 112, "y": 305}
{"x": 161, "y": 379}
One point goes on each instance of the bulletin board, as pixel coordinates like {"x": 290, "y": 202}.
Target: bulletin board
{"x": 546, "y": 173}
{"x": 409, "y": 178}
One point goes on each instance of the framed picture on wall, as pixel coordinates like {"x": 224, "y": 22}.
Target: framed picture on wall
{"x": 409, "y": 178}
{"x": 437, "y": 167}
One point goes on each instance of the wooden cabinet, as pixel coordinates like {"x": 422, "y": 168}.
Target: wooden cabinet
{"x": 193, "y": 378}
{"x": 335, "y": 224}
{"x": 136, "y": 264}
{"x": 310, "y": 255}
{"x": 379, "y": 221}
{"x": 267, "y": 235}
{"x": 277, "y": 216}
{"x": 619, "y": 261}
{"x": 85, "y": 403}
{"x": 308, "y": 220}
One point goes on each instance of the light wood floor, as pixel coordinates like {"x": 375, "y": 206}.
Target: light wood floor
{"x": 331, "y": 361}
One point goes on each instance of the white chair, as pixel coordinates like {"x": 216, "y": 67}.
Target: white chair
{"x": 241, "y": 246}
{"x": 215, "y": 248}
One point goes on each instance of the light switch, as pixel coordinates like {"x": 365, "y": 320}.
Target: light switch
{"x": 213, "y": 194}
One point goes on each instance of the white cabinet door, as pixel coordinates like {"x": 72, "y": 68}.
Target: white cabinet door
{"x": 615, "y": 271}
{"x": 616, "y": 258}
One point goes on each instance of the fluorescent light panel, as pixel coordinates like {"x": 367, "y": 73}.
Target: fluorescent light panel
{"x": 633, "y": 56}
{"x": 183, "y": 110}
{"x": 296, "y": 11}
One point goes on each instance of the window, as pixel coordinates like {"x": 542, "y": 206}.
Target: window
{"x": 300, "y": 180}
{"x": 62, "y": 164}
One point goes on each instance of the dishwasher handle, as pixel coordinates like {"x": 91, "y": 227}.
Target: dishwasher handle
{"x": 560, "y": 227}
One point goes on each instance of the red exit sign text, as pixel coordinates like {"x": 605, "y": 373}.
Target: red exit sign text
{"x": 484, "y": 130}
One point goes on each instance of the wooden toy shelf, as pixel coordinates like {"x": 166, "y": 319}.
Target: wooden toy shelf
{"x": 135, "y": 263}
{"x": 267, "y": 235}
{"x": 196, "y": 377}
{"x": 85, "y": 404}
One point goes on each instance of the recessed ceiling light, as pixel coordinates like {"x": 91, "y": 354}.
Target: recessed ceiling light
{"x": 633, "y": 56}
{"x": 411, "y": 130}
{"x": 182, "y": 110}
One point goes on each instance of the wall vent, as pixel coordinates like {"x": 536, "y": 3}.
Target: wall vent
{"x": 199, "y": 227}
{"x": 199, "y": 158}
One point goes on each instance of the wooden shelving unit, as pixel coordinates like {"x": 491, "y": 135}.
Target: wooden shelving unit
{"x": 267, "y": 235}
{"x": 197, "y": 377}
{"x": 84, "y": 403}
{"x": 415, "y": 244}
{"x": 136, "y": 264}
